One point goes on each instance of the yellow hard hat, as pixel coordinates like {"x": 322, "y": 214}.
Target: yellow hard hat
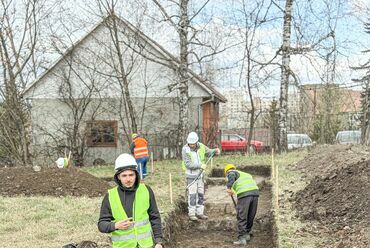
{"x": 134, "y": 135}
{"x": 229, "y": 167}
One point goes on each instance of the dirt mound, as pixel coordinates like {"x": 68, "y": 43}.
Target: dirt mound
{"x": 341, "y": 199}
{"x": 337, "y": 195}
{"x": 324, "y": 159}
{"x": 50, "y": 181}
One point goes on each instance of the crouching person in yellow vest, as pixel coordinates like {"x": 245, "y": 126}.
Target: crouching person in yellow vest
{"x": 246, "y": 190}
{"x": 129, "y": 211}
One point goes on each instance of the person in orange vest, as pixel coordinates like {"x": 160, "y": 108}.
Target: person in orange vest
{"x": 139, "y": 148}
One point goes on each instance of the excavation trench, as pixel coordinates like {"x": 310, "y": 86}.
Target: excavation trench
{"x": 220, "y": 229}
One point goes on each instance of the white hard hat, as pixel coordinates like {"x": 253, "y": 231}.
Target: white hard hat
{"x": 192, "y": 138}
{"x": 125, "y": 160}
{"x": 60, "y": 163}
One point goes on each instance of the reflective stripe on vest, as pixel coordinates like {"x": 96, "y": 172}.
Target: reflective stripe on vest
{"x": 244, "y": 183}
{"x": 141, "y": 232}
{"x": 132, "y": 236}
{"x": 201, "y": 152}
{"x": 141, "y": 148}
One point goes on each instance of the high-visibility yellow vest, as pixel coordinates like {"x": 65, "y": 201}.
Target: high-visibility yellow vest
{"x": 244, "y": 183}
{"x": 141, "y": 232}
{"x": 193, "y": 155}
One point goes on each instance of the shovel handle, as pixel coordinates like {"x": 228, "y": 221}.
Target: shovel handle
{"x": 232, "y": 197}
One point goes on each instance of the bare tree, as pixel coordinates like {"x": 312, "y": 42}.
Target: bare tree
{"x": 129, "y": 57}
{"x": 271, "y": 121}
{"x": 254, "y": 16}
{"x": 19, "y": 28}
{"x": 307, "y": 44}
{"x": 285, "y": 72}
{"x": 182, "y": 21}
{"x": 365, "y": 118}
{"x": 68, "y": 125}
{"x": 182, "y": 28}
{"x": 365, "y": 95}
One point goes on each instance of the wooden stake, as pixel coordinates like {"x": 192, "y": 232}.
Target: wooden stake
{"x": 277, "y": 186}
{"x": 272, "y": 165}
{"x": 275, "y": 181}
{"x": 69, "y": 158}
{"x": 152, "y": 161}
{"x": 171, "y": 199}
{"x": 141, "y": 171}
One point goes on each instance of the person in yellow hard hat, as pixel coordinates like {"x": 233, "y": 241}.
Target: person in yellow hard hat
{"x": 246, "y": 190}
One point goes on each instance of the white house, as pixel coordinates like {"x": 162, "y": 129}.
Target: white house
{"x": 80, "y": 102}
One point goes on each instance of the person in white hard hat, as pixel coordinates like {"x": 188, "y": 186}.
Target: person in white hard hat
{"x": 129, "y": 211}
{"x": 194, "y": 156}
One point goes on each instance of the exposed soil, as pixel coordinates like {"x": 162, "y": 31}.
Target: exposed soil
{"x": 220, "y": 229}
{"x": 336, "y": 200}
{"x": 50, "y": 181}
{"x": 337, "y": 196}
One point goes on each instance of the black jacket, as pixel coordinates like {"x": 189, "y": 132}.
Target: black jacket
{"x": 127, "y": 197}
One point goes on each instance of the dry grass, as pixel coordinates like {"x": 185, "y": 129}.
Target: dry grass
{"x": 48, "y": 221}
{"x": 292, "y": 231}
{"x": 52, "y": 222}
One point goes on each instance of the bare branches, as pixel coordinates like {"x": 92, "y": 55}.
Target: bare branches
{"x": 199, "y": 10}
{"x": 166, "y": 15}
{"x": 310, "y": 47}
{"x": 18, "y": 36}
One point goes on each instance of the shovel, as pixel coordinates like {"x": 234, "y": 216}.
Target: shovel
{"x": 198, "y": 176}
{"x": 232, "y": 197}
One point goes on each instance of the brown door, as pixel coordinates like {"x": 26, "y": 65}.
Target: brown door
{"x": 210, "y": 123}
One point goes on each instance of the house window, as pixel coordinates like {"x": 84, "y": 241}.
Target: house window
{"x": 102, "y": 134}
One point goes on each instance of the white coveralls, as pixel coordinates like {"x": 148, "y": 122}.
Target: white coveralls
{"x": 193, "y": 163}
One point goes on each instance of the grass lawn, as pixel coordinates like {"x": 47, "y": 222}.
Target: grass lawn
{"x": 51, "y": 221}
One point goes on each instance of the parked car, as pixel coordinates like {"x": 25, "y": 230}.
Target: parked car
{"x": 235, "y": 142}
{"x": 298, "y": 140}
{"x": 349, "y": 137}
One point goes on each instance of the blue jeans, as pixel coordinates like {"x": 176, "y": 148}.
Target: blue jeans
{"x": 143, "y": 161}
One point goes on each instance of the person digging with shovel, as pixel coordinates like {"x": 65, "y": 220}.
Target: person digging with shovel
{"x": 246, "y": 190}
{"x": 193, "y": 156}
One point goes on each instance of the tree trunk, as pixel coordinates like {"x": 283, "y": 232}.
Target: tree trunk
{"x": 183, "y": 74}
{"x": 123, "y": 78}
{"x": 252, "y": 119}
{"x": 365, "y": 125}
{"x": 285, "y": 71}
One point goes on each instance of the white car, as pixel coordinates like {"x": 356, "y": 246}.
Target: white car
{"x": 298, "y": 140}
{"x": 349, "y": 137}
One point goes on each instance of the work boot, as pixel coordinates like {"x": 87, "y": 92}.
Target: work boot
{"x": 247, "y": 237}
{"x": 193, "y": 218}
{"x": 240, "y": 241}
{"x": 202, "y": 216}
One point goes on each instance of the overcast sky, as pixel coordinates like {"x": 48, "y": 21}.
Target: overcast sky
{"x": 222, "y": 21}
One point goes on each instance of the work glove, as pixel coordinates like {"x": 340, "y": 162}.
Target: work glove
{"x": 217, "y": 151}
{"x": 229, "y": 191}
{"x": 204, "y": 166}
